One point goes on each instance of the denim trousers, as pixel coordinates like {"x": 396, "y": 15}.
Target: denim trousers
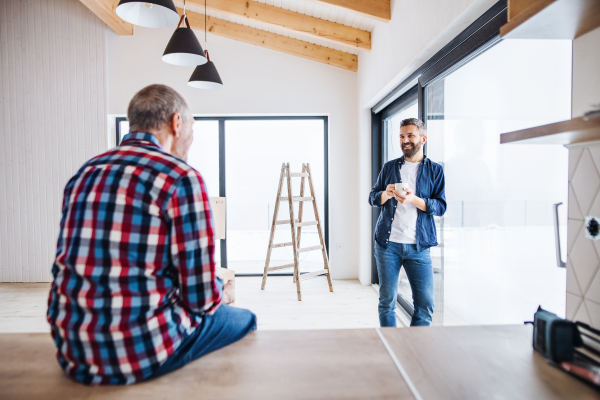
{"x": 419, "y": 271}
{"x": 227, "y": 325}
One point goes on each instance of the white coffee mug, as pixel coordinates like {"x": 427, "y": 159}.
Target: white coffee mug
{"x": 400, "y": 187}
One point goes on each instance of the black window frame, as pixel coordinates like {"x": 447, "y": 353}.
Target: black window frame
{"x": 222, "y": 166}
{"x": 478, "y": 37}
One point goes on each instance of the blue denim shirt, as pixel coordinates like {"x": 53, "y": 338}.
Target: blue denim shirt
{"x": 430, "y": 187}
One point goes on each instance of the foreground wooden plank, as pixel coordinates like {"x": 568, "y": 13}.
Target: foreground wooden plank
{"x": 276, "y": 42}
{"x": 105, "y": 10}
{"x": 481, "y": 362}
{"x": 380, "y": 10}
{"x": 276, "y": 16}
{"x": 320, "y": 364}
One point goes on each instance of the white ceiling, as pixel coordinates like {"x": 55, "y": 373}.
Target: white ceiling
{"x": 312, "y": 9}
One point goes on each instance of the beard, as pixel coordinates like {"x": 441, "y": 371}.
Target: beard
{"x": 411, "y": 150}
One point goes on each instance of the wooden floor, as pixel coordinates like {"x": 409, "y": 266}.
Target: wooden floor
{"x": 351, "y": 305}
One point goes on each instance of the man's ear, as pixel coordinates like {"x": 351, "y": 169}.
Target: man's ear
{"x": 177, "y": 125}
{"x": 424, "y": 138}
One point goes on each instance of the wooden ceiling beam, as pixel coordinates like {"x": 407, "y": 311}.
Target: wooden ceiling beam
{"x": 105, "y": 10}
{"x": 279, "y": 17}
{"x": 275, "y": 42}
{"x": 380, "y": 10}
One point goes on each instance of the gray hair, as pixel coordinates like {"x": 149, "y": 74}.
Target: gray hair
{"x": 416, "y": 122}
{"x": 153, "y": 107}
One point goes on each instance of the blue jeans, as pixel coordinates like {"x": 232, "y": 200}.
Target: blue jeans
{"x": 225, "y": 326}
{"x": 419, "y": 271}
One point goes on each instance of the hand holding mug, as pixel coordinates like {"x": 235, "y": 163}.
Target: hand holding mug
{"x": 389, "y": 191}
{"x": 407, "y": 198}
{"x": 400, "y": 190}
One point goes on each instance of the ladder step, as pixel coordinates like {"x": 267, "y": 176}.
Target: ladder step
{"x": 316, "y": 273}
{"x": 309, "y": 223}
{"x": 281, "y": 267}
{"x": 297, "y": 198}
{"x": 285, "y": 221}
{"x": 310, "y": 249}
{"x": 282, "y": 245}
{"x": 298, "y": 174}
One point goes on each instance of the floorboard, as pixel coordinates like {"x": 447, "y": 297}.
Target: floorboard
{"x": 351, "y": 305}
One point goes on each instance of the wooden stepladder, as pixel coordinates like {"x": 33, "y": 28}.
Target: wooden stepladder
{"x": 296, "y": 227}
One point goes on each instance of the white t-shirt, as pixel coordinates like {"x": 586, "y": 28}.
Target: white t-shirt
{"x": 404, "y": 224}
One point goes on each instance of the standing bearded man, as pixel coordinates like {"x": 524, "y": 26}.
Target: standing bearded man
{"x": 405, "y": 229}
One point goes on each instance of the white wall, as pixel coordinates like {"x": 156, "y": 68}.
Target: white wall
{"x": 53, "y": 105}
{"x": 586, "y": 78}
{"x": 264, "y": 82}
{"x": 417, "y": 31}
{"x": 583, "y": 262}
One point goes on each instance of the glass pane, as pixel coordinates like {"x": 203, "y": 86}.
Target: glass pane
{"x": 124, "y": 129}
{"x": 497, "y": 236}
{"x": 391, "y": 142}
{"x": 255, "y": 152}
{"x": 204, "y": 157}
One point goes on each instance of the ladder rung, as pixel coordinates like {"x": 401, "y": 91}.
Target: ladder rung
{"x": 297, "y": 198}
{"x": 310, "y": 249}
{"x": 298, "y": 174}
{"x": 285, "y": 221}
{"x": 307, "y": 223}
{"x": 316, "y": 273}
{"x": 281, "y": 267}
{"x": 282, "y": 245}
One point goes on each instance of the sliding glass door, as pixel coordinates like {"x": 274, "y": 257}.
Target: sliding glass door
{"x": 496, "y": 259}
{"x": 498, "y": 251}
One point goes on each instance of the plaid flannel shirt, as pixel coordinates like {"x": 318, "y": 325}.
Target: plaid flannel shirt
{"x": 134, "y": 270}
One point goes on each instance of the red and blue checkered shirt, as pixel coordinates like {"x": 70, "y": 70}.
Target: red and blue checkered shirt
{"x": 134, "y": 270}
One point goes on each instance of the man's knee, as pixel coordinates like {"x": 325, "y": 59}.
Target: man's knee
{"x": 387, "y": 303}
{"x": 242, "y": 320}
{"x": 252, "y": 320}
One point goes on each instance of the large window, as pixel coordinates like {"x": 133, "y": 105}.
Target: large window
{"x": 496, "y": 262}
{"x": 240, "y": 159}
{"x": 499, "y": 255}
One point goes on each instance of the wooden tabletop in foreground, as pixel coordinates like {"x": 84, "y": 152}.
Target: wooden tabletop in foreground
{"x": 492, "y": 362}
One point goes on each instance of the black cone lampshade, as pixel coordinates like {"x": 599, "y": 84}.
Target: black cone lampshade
{"x": 184, "y": 48}
{"x": 206, "y": 76}
{"x": 149, "y": 14}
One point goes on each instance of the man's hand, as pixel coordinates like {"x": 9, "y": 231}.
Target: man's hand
{"x": 410, "y": 198}
{"x": 407, "y": 198}
{"x": 388, "y": 193}
{"x": 229, "y": 292}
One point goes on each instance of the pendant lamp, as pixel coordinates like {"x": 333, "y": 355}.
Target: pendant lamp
{"x": 149, "y": 13}
{"x": 206, "y": 76}
{"x": 184, "y": 48}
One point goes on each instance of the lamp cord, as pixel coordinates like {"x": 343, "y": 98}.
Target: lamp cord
{"x": 205, "y": 40}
